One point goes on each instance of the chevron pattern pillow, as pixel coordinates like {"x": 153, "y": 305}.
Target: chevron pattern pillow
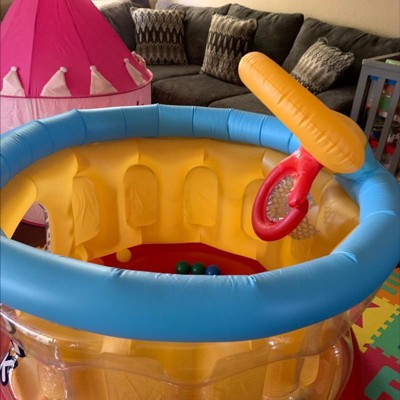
{"x": 229, "y": 39}
{"x": 321, "y": 65}
{"x": 159, "y": 35}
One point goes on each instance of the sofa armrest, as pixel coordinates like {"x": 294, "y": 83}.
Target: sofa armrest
{"x": 119, "y": 16}
{"x": 339, "y": 99}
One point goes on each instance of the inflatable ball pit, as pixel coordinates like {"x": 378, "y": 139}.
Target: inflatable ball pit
{"x": 178, "y": 176}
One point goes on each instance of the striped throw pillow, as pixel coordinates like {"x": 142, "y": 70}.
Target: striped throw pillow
{"x": 321, "y": 65}
{"x": 159, "y": 35}
{"x": 229, "y": 39}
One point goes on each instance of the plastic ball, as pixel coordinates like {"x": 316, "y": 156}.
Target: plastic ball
{"x": 213, "y": 270}
{"x": 123, "y": 255}
{"x": 182, "y": 267}
{"x": 198, "y": 268}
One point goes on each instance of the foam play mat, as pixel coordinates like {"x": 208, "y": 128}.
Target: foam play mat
{"x": 376, "y": 374}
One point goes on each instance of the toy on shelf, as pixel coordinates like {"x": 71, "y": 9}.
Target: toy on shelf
{"x": 144, "y": 188}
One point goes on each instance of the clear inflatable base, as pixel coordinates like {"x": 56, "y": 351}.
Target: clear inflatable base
{"x": 98, "y": 367}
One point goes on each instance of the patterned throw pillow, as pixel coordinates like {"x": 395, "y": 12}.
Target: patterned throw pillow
{"x": 321, "y": 65}
{"x": 159, "y": 35}
{"x": 229, "y": 39}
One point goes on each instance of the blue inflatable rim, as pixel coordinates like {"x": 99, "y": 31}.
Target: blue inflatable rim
{"x": 182, "y": 308}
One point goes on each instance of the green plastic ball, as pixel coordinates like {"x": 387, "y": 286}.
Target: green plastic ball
{"x": 198, "y": 268}
{"x": 182, "y": 267}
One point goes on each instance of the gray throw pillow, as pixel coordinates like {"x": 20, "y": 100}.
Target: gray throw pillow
{"x": 229, "y": 39}
{"x": 159, "y": 35}
{"x": 362, "y": 44}
{"x": 321, "y": 65}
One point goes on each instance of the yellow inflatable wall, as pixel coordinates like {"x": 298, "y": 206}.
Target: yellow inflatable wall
{"x": 167, "y": 191}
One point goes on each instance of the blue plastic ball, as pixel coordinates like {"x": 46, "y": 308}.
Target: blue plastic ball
{"x": 213, "y": 270}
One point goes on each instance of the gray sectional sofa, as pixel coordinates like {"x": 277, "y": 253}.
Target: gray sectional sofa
{"x": 282, "y": 37}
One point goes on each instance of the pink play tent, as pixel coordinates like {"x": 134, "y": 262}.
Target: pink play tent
{"x": 57, "y": 55}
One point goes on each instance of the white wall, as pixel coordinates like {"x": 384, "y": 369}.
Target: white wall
{"x": 381, "y": 17}
{"x": 376, "y": 16}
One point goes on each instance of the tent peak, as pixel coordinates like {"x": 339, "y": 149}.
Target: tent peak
{"x": 35, "y": 38}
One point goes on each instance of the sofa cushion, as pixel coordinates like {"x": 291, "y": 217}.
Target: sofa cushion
{"x": 159, "y": 35}
{"x": 245, "y": 102}
{"x": 321, "y": 65}
{"x": 338, "y": 99}
{"x": 170, "y": 71}
{"x": 119, "y": 16}
{"x": 197, "y": 24}
{"x": 275, "y": 33}
{"x": 229, "y": 39}
{"x": 199, "y": 90}
{"x": 361, "y": 44}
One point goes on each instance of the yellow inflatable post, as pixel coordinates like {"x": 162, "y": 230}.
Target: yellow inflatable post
{"x": 333, "y": 139}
